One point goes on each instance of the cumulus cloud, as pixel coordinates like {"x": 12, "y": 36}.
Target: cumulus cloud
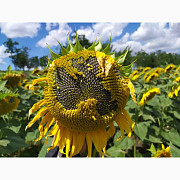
{"x": 49, "y": 26}
{"x": 125, "y": 42}
{"x": 14, "y": 30}
{"x": 60, "y": 34}
{"x": 104, "y": 29}
{"x": 151, "y": 37}
{"x": 3, "y": 54}
{"x": 149, "y": 31}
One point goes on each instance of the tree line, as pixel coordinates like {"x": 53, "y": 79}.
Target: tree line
{"x": 20, "y": 57}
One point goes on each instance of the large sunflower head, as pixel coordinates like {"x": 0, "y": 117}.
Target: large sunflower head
{"x": 84, "y": 93}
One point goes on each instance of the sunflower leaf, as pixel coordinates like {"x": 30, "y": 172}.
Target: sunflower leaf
{"x": 175, "y": 152}
{"x": 44, "y": 148}
{"x": 2, "y": 84}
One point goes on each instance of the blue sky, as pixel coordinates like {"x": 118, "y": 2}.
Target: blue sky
{"x": 147, "y": 36}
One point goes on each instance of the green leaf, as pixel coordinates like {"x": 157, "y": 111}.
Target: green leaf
{"x": 120, "y": 59}
{"x": 31, "y": 136}
{"x": 172, "y": 136}
{"x": 16, "y": 142}
{"x": 2, "y": 84}
{"x": 44, "y": 148}
{"x": 141, "y": 130}
{"x": 63, "y": 50}
{"x": 116, "y": 152}
{"x": 175, "y": 152}
{"x": 148, "y": 117}
{"x": 153, "y": 139}
{"x": 176, "y": 114}
{"x": 9, "y": 69}
{"x": 53, "y": 55}
{"x": 4, "y": 142}
{"x": 124, "y": 143}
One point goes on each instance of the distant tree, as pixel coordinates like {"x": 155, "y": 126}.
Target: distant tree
{"x": 33, "y": 62}
{"x": 43, "y": 61}
{"x": 12, "y": 49}
{"x": 20, "y": 60}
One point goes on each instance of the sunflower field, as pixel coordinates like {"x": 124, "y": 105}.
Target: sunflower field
{"x": 156, "y": 132}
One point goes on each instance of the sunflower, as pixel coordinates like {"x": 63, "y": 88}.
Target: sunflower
{"x": 151, "y": 77}
{"x": 136, "y": 72}
{"x": 36, "y": 71}
{"x": 178, "y": 68}
{"x": 169, "y": 68}
{"x": 164, "y": 152}
{"x": 158, "y": 70}
{"x": 148, "y": 73}
{"x": 148, "y": 95}
{"x": 84, "y": 94}
{"x": 8, "y": 103}
{"x": 174, "y": 91}
{"x": 146, "y": 69}
{"x": 13, "y": 80}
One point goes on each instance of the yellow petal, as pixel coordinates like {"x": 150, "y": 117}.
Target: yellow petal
{"x": 77, "y": 142}
{"x": 111, "y": 130}
{"x": 68, "y": 142}
{"x": 89, "y": 143}
{"x": 56, "y": 140}
{"x": 36, "y": 106}
{"x": 40, "y": 113}
{"x": 99, "y": 140}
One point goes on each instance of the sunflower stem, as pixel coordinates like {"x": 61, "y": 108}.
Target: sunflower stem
{"x": 134, "y": 145}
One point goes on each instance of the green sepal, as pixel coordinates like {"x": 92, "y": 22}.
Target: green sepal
{"x": 9, "y": 69}
{"x": 49, "y": 63}
{"x": 92, "y": 47}
{"x": 53, "y": 55}
{"x": 63, "y": 50}
{"x": 78, "y": 46}
{"x": 98, "y": 46}
{"x": 112, "y": 54}
{"x": 152, "y": 149}
{"x": 126, "y": 70}
{"x": 120, "y": 59}
{"x": 70, "y": 47}
{"x": 107, "y": 48}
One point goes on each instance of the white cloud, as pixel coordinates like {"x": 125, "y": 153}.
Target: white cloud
{"x": 125, "y": 42}
{"x": 50, "y": 25}
{"x": 104, "y": 29}
{"x": 151, "y": 37}
{"x": 3, "y": 54}
{"x": 60, "y": 34}
{"x": 149, "y": 31}
{"x": 14, "y": 30}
